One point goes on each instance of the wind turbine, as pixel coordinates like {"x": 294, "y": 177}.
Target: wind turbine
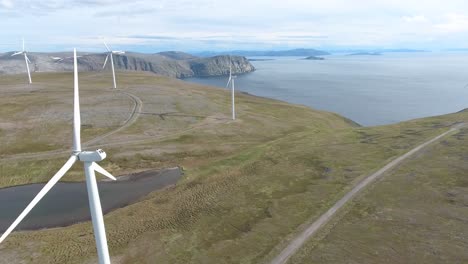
{"x": 109, "y": 54}
{"x": 231, "y": 81}
{"x": 26, "y": 59}
{"x": 89, "y": 158}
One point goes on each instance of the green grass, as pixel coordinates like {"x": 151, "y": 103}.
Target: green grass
{"x": 31, "y": 114}
{"x": 416, "y": 214}
{"x": 249, "y": 184}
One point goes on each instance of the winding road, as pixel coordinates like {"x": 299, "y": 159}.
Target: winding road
{"x": 298, "y": 241}
{"x": 137, "y": 107}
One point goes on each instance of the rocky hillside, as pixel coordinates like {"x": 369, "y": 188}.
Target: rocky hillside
{"x": 177, "y": 55}
{"x": 172, "y": 64}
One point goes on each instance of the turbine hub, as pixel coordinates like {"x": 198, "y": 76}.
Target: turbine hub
{"x": 92, "y": 156}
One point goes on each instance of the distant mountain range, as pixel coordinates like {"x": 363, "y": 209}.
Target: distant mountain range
{"x": 459, "y": 49}
{"x": 353, "y": 51}
{"x": 272, "y": 53}
{"x": 170, "y": 63}
{"x": 302, "y": 52}
{"x": 366, "y": 54}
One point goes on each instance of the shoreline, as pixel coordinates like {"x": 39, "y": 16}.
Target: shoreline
{"x": 351, "y": 121}
{"x": 186, "y": 79}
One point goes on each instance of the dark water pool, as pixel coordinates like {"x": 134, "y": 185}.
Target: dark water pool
{"x": 67, "y": 203}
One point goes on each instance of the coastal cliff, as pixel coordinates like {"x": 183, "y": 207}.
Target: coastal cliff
{"x": 219, "y": 65}
{"x": 172, "y": 64}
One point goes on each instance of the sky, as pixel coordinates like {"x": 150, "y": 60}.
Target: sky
{"x": 217, "y": 25}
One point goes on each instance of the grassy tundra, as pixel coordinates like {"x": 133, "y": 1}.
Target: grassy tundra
{"x": 250, "y": 184}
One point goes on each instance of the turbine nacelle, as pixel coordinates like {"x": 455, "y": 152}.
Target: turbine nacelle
{"x": 92, "y": 156}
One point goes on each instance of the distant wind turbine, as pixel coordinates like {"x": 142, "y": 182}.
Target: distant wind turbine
{"x": 26, "y": 59}
{"x": 109, "y": 54}
{"x": 231, "y": 81}
{"x": 89, "y": 158}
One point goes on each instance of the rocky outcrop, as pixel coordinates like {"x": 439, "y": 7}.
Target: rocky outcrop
{"x": 172, "y": 64}
{"x": 314, "y": 58}
{"x": 219, "y": 65}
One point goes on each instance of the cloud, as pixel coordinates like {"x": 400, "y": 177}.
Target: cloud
{"x": 415, "y": 19}
{"x": 8, "y": 4}
{"x": 189, "y": 24}
{"x": 50, "y": 6}
{"x": 454, "y": 23}
{"x": 151, "y": 37}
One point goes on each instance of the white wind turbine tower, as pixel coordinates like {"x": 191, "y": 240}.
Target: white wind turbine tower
{"x": 109, "y": 54}
{"x": 26, "y": 59}
{"x": 89, "y": 158}
{"x": 231, "y": 81}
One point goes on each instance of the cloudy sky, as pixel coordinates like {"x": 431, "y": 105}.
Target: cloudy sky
{"x": 198, "y": 25}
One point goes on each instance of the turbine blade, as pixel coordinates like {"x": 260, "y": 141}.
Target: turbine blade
{"x": 118, "y": 52}
{"x": 105, "y": 62}
{"x": 76, "y": 108}
{"x": 27, "y": 58}
{"x": 230, "y": 67}
{"x": 113, "y": 70}
{"x": 40, "y": 195}
{"x": 27, "y": 62}
{"x": 101, "y": 170}
{"x": 107, "y": 47}
{"x": 229, "y": 81}
{"x": 16, "y": 53}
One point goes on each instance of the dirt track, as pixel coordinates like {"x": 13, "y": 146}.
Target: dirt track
{"x": 299, "y": 240}
{"x": 137, "y": 107}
